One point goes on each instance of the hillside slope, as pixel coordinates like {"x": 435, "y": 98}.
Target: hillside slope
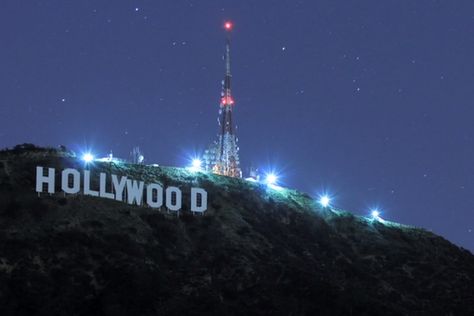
{"x": 255, "y": 251}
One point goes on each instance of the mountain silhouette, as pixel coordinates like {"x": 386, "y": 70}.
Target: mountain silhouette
{"x": 256, "y": 250}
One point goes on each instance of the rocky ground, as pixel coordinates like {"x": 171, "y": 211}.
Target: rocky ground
{"x": 255, "y": 251}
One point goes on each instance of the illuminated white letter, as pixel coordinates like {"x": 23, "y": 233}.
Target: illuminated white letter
{"x": 76, "y": 181}
{"x": 202, "y": 207}
{"x": 135, "y": 191}
{"x": 119, "y": 186}
{"x": 150, "y": 189}
{"x": 41, "y": 179}
{"x": 87, "y": 184}
{"x": 103, "y": 189}
{"x": 170, "y": 191}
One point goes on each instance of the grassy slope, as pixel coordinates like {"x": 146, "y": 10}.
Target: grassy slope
{"x": 256, "y": 250}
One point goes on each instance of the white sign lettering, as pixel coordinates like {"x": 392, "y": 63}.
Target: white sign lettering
{"x": 121, "y": 188}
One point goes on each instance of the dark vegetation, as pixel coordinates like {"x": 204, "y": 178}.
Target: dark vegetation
{"x": 256, "y": 251}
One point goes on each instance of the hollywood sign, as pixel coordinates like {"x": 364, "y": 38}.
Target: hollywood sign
{"x": 123, "y": 189}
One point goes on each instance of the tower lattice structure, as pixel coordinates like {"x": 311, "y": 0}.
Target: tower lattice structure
{"x": 223, "y": 156}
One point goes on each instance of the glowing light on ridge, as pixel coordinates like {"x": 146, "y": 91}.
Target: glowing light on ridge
{"x": 325, "y": 201}
{"x": 88, "y": 158}
{"x": 375, "y": 213}
{"x": 196, "y": 165}
{"x": 271, "y": 179}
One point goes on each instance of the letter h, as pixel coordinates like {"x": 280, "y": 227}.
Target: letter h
{"x": 42, "y": 179}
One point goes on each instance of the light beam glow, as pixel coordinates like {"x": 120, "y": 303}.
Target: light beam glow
{"x": 375, "y": 213}
{"x": 325, "y": 201}
{"x": 196, "y": 165}
{"x": 271, "y": 179}
{"x": 88, "y": 158}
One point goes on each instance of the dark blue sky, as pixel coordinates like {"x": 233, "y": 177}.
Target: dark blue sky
{"x": 371, "y": 100}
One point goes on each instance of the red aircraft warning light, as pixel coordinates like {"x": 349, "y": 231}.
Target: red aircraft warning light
{"x": 228, "y": 26}
{"x": 227, "y": 100}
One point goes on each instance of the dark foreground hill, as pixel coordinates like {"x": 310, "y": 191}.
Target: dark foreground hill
{"x": 255, "y": 251}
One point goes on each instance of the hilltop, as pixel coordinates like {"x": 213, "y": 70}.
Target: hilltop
{"x": 256, "y": 250}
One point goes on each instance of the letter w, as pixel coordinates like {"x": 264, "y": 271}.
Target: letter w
{"x": 135, "y": 191}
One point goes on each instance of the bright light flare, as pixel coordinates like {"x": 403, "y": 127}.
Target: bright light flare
{"x": 88, "y": 158}
{"x": 375, "y": 214}
{"x": 196, "y": 165}
{"x": 325, "y": 201}
{"x": 271, "y": 179}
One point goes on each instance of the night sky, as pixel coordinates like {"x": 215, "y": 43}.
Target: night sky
{"x": 371, "y": 101}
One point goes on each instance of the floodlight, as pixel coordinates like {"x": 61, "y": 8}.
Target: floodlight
{"x": 271, "y": 179}
{"x": 88, "y": 158}
{"x": 196, "y": 165}
{"x": 324, "y": 201}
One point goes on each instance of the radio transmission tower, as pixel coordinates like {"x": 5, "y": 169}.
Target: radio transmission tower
{"x": 223, "y": 156}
